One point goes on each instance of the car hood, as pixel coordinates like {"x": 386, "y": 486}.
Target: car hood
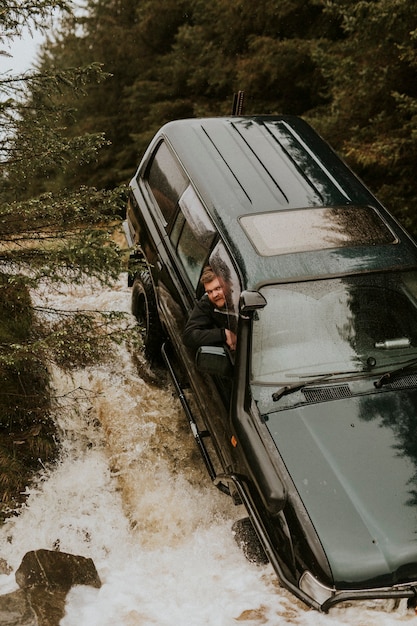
{"x": 354, "y": 464}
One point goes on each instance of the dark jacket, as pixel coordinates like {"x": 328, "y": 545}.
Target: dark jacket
{"x": 206, "y": 324}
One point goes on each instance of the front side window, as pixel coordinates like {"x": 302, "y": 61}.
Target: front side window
{"x": 335, "y": 326}
{"x": 221, "y": 264}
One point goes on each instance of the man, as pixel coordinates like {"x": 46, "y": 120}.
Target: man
{"x": 211, "y": 320}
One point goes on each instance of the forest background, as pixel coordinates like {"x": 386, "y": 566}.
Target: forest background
{"x": 348, "y": 67}
{"x": 72, "y": 133}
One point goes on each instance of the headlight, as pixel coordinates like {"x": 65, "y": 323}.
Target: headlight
{"x": 315, "y": 589}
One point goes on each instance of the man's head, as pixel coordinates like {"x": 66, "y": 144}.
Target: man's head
{"x": 213, "y": 287}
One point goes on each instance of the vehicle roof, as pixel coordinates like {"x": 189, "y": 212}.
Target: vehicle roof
{"x": 255, "y": 165}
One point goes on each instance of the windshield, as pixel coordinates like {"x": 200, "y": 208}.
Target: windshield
{"x": 345, "y": 325}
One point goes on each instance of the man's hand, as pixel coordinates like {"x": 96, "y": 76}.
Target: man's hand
{"x": 230, "y": 339}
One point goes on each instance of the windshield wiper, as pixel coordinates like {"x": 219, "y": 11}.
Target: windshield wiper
{"x": 293, "y": 387}
{"x": 389, "y": 376}
{"x": 286, "y": 389}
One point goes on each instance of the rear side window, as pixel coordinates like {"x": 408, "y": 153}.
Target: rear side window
{"x": 192, "y": 234}
{"x": 166, "y": 180}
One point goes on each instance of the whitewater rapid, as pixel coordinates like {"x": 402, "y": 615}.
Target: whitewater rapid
{"x": 131, "y": 492}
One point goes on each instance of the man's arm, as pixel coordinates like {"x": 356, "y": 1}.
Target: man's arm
{"x": 200, "y": 329}
{"x": 230, "y": 339}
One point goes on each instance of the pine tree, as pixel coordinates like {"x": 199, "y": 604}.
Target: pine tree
{"x": 48, "y": 233}
{"x": 371, "y": 87}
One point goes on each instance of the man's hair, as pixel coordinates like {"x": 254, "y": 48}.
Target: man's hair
{"x": 208, "y": 275}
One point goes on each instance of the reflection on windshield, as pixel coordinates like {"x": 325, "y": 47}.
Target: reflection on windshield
{"x": 346, "y": 324}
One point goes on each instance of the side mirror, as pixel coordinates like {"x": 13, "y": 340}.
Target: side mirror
{"x": 214, "y": 360}
{"x": 251, "y": 301}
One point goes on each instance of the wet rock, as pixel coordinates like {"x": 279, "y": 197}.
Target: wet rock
{"x": 56, "y": 570}
{"x": 45, "y": 577}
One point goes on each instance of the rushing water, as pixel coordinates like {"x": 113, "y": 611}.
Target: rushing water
{"x": 131, "y": 492}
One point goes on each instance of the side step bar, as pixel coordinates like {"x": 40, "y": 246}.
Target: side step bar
{"x": 197, "y": 434}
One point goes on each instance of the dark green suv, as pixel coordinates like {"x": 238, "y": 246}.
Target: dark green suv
{"x": 312, "y": 422}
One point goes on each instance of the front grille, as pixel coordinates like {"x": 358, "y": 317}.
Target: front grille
{"x": 323, "y": 394}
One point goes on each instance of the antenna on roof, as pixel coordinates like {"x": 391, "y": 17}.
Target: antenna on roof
{"x": 238, "y": 103}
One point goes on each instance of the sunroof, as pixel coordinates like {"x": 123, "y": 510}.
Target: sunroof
{"x": 315, "y": 228}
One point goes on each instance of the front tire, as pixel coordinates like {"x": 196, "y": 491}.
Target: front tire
{"x": 145, "y": 310}
{"x": 248, "y": 541}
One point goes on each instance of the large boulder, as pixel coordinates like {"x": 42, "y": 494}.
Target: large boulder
{"x": 56, "y": 570}
{"x": 44, "y": 578}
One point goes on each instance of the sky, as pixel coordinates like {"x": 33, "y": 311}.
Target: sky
{"x": 23, "y": 51}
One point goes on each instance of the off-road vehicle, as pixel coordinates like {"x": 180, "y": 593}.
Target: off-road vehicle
{"x": 312, "y": 422}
